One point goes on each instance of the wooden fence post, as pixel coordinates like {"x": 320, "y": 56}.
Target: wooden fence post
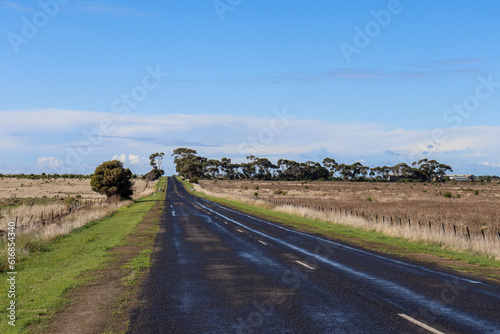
{"x": 442, "y": 226}
{"x": 430, "y": 228}
{"x": 482, "y": 232}
{"x": 468, "y": 233}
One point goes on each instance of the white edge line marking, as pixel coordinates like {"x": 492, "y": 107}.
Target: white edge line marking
{"x": 262, "y": 242}
{"x": 418, "y": 323}
{"x": 345, "y": 246}
{"x": 304, "y": 264}
{"x": 387, "y": 285}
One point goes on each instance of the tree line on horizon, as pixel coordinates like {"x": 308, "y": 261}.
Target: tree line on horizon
{"x": 192, "y": 166}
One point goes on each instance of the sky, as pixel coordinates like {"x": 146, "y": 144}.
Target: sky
{"x": 380, "y": 82}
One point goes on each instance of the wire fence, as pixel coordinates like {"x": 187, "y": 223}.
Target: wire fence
{"x": 441, "y": 227}
{"x": 53, "y": 216}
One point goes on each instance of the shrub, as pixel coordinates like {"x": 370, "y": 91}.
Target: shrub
{"x": 447, "y": 194}
{"x": 193, "y": 180}
{"x": 111, "y": 179}
{"x": 70, "y": 201}
{"x": 280, "y": 192}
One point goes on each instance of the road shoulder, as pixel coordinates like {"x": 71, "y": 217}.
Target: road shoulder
{"x": 103, "y": 304}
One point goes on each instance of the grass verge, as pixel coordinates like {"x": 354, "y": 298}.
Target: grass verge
{"x": 43, "y": 280}
{"x": 434, "y": 253}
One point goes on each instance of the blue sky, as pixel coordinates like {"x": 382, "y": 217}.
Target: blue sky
{"x": 380, "y": 82}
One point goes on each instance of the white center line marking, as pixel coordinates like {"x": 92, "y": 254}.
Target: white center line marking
{"x": 262, "y": 242}
{"x": 305, "y": 265}
{"x": 239, "y": 230}
{"x": 418, "y": 323}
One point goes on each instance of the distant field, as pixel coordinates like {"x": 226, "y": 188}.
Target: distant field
{"x": 27, "y": 199}
{"x": 462, "y": 204}
{"x": 26, "y": 188}
{"x": 51, "y": 188}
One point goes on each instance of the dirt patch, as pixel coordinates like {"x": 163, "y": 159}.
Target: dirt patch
{"x": 103, "y": 304}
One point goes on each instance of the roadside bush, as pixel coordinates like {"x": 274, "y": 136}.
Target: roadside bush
{"x": 110, "y": 179}
{"x": 193, "y": 180}
{"x": 447, "y": 194}
{"x": 70, "y": 201}
{"x": 280, "y": 192}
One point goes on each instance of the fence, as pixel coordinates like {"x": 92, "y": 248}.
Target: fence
{"x": 54, "y": 217}
{"x": 462, "y": 231}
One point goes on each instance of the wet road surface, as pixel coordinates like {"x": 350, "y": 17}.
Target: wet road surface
{"x": 216, "y": 270}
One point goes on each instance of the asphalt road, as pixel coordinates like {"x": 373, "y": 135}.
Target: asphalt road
{"x": 219, "y": 271}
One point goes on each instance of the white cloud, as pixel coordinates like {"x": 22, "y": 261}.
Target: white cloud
{"x": 131, "y": 159}
{"x": 491, "y": 164}
{"x": 50, "y": 163}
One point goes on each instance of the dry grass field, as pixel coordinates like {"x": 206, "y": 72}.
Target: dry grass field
{"x": 395, "y": 209}
{"x": 50, "y": 188}
{"x": 28, "y": 199}
{"x": 474, "y": 205}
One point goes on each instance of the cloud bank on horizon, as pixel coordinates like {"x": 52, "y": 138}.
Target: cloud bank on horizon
{"x": 66, "y": 141}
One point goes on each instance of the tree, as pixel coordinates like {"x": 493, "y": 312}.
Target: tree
{"x": 331, "y": 165}
{"x": 155, "y": 160}
{"x": 112, "y": 180}
{"x": 188, "y": 164}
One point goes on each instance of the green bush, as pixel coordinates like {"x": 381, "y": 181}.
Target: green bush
{"x": 280, "y": 192}
{"x": 111, "y": 179}
{"x": 447, "y": 194}
{"x": 70, "y": 201}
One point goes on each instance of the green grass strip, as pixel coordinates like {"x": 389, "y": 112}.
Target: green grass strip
{"x": 43, "y": 279}
{"x": 368, "y": 239}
